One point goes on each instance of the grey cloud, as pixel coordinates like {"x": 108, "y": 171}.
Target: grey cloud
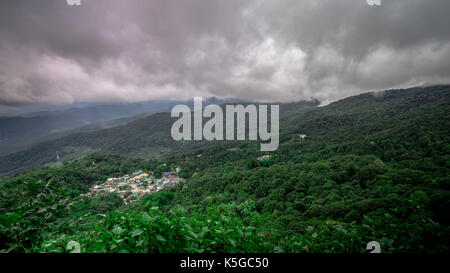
{"x": 113, "y": 50}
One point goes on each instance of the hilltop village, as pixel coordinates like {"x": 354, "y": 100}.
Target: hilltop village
{"x": 136, "y": 185}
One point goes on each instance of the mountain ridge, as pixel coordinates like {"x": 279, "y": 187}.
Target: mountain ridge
{"x": 148, "y": 137}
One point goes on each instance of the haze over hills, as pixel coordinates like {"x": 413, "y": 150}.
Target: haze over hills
{"x": 22, "y": 130}
{"x": 150, "y": 136}
{"x": 143, "y": 138}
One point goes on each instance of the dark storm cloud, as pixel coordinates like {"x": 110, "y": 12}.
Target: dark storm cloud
{"x": 113, "y": 50}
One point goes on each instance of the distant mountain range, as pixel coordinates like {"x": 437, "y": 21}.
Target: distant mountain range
{"x": 150, "y": 136}
{"x": 37, "y": 124}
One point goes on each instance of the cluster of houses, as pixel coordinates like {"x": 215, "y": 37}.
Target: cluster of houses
{"x": 136, "y": 185}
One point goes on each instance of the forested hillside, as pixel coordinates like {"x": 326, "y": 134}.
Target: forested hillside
{"x": 144, "y": 138}
{"x": 373, "y": 167}
{"x": 21, "y": 131}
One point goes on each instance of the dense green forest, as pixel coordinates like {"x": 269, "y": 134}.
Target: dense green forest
{"x": 373, "y": 167}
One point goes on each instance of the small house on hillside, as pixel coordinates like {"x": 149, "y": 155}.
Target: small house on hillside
{"x": 264, "y": 158}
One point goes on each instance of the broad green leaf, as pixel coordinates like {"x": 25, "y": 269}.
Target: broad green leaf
{"x": 137, "y": 232}
{"x": 117, "y": 230}
{"x": 160, "y": 238}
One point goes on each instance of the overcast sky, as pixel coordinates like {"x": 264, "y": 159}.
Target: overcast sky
{"x": 273, "y": 50}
